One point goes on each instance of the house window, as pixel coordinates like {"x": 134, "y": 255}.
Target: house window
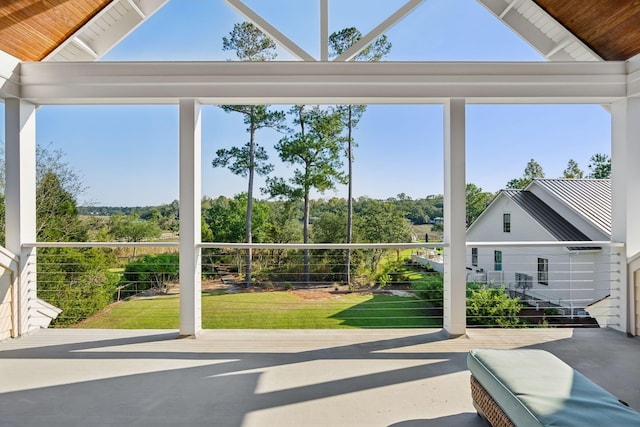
{"x": 474, "y": 257}
{"x": 497, "y": 260}
{"x": 506, "y": 222}
{"x": 543, "y": 271}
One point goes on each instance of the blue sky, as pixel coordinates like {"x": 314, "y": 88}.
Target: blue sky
{"x": 128, "y": 155}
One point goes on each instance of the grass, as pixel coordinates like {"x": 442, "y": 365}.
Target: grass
{"x": 269, "y": 310}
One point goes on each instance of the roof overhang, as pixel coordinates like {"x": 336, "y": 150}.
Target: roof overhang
{"x": 318, "y": 82}
{"x": 540, "y": 30}
{"x": 105, "y": 30}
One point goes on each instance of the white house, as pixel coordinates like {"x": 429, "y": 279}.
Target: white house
{"x": 547, "y": 210}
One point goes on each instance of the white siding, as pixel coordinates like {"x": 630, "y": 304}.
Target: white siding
{"x": 6, "y": 300}
{"x": 576, "y": 278}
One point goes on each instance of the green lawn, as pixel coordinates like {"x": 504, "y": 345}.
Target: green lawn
{"x": 269, "y": 310}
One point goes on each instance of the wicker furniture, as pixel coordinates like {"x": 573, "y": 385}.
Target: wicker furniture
{"x": 534, "y": 388}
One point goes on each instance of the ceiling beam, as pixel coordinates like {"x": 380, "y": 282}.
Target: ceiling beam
{"x": 379, "y": 30}
{"x": 270, "y": 30}
{"x": 322, "y": 82}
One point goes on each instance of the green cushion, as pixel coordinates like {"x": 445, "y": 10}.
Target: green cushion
{"x": 535, "y": 388}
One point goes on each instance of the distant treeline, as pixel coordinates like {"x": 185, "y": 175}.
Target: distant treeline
{"x": 418, "y": 211}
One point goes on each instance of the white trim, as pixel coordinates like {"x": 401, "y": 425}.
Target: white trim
{"x": 455, "y": 318}
{"x": 384, "y": 26}
{"x": 274, "y": 82}
{"x": 270, "y": 30}
{"x": 540, "y": 30}
{"x": 9, "y": 76}
{"x": 190, "y": 217}
{"x": 20, "y": 203}
{"x": 324, "y": 30}
{"x": 107, "y": 33}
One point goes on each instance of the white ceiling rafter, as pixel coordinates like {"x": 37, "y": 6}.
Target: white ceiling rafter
{"x": 379, "y": 30}
{"x": 270, "y": 30}
{"x": 300, "y": 53}
{"x": 540, "y": 30}
{"x": 324, "y": 30}
{"x": 102, "y": 32}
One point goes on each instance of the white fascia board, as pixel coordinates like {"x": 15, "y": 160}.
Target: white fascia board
{"x": 114, "y": 32}
{"x": 508, "y": 12}
{"x": 9, "y": 76}
{"x": 318, "y": 82}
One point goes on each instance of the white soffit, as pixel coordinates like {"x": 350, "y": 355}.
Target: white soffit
{"x": 105, "y": 30}
{"x": 540, "y": 30}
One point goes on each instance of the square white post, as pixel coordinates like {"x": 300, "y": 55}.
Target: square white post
{"x": 20, "y": 203}
{"x": 190, "y": 226}
{"x": 455, "y": 316}
{"x": 625, "y": 182}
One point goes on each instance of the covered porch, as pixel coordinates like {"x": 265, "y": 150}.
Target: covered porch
{"x": 611, "y": 81}
{"x": 64, "y": 377}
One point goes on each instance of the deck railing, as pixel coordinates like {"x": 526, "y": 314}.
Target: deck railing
{"x": 392, "y": 285}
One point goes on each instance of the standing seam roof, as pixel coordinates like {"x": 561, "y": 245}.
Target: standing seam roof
{"x": 590, "y": 198}
{"x": 551, "y": 220}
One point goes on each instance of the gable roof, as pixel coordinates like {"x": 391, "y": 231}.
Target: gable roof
{"x": 36, "y": 30}
{"x": 548, "y": 218}
{"x": 589, "y": 198}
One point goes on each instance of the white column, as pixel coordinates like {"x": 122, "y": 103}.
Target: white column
{"x": 625, "y": 182}
{"x": 190, "y": 226}
{"x": 20, "y": 202}
{"x": 455, "y": 319}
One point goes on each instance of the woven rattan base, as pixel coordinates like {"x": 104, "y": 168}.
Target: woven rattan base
{"x": 487, "y": 407}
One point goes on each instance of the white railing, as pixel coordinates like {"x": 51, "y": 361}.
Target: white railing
{"x": 580, "y": 281}
{"x": 565, "y": 279}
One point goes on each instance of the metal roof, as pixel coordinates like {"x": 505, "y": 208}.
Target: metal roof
{"x": 548, "y": 218}
{"x": 589, "y": 198}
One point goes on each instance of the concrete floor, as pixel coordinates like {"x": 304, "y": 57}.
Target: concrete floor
{"x": 400, "y": 378}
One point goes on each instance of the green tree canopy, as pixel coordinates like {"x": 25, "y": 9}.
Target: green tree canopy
{"x": 600, "y": 166}
{"x": 532, "y": 171}
{"x": 249, "y": 43}
{"x": 572, "y": 171}
{"x": 477, "y": 201}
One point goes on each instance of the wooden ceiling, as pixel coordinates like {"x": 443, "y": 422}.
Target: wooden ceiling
{"x": 611, "y": 28}
{"x": 31, "y": 29}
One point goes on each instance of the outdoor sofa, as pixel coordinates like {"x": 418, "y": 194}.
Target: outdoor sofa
{"x": 534, "y": 388}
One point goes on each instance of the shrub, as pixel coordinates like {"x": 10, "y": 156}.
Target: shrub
{"x": 77, "y": 281}
{"x": 430, "y": 289}
{"x": 151, "y": 271}
{"x": 490, "y": 306}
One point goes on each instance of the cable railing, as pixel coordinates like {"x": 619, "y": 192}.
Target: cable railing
{"x": 137, "y": 285}
{"x": 570, "y": 283}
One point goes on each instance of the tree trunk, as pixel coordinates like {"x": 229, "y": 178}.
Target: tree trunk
{"x": 307, "y": 260}
{"x": 252, "y": 155}
{"x": 349, "y": 198}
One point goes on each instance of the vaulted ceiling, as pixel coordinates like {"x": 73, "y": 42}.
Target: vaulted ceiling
{"x": 611, "y": 28}
{"x": 34, "y": 30}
